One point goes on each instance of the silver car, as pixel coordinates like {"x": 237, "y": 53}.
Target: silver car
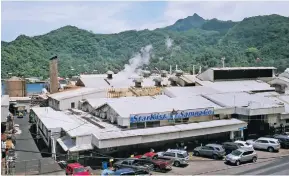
{"x": 179, "y": 157}
{"x": 240, "y": 156}
{"x": 210, "y": 150}
{"x": 269, "y": 144}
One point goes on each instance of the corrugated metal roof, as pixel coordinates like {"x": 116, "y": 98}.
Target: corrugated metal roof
{"x": 126, "y": 107}
{"x": 238, "y": 86}
{"x": 242, "y": 99}
{"x": 75, "y": 93}
{"x": 5, "y": 100}
{"x": 94, "y": 82}
{"x": 189, "y": 91}
{"x": 166, "y": 129}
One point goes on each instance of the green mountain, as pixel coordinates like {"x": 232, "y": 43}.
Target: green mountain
{"x": 195, "y": 42}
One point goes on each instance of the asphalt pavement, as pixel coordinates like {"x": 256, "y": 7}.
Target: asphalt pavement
{"x": 279, "y": 166}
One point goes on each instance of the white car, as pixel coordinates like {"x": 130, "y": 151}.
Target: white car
{"x": 244, "y": 145}
{"x": 269, "y": 144}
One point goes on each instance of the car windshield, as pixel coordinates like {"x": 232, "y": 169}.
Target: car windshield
{"x": 77, "y": 170}
{"x": 236, "y": 153}
{"x": 247, "y": 143}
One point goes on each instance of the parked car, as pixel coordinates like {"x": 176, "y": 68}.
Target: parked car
{"x": 283, "y": 140}
{"x": 76, "y": 169}
{"x": 135, "y": 163}
{"x": 179, "y": 157}
{"x": 210, "y": 150}
{"x": 230, "y": 146}
{"x": 244, "y": 145}
{"x": 240, "y": 156}
{"x": 161, "y": 164}
{"x": 130, "y": 171}
{"x": 269, "y": 144}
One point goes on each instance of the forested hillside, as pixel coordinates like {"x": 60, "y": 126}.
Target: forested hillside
{"x": 195, "y": 42}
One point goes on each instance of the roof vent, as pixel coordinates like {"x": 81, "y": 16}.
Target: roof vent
{"x": 109, "y": 74}
{"x": 158, "y": 81}
{"x": 146, "y": 73}
{"x": 138, "y": 82}
{"x": 173, "y": 80}
{"x": 179, "y": 72}
{"x": 164, "y": 73}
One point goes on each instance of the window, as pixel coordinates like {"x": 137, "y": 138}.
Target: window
{"x": 185, "y": 120}
{"x": 125, "y": 162}
{"x": 272, "y": 142}
{"x": 169, "y": 154}
{"x": 73, "y": 105}
{"x": 210, "y": 148}
{"x": 247, "y": 153}
{"x": 217, "y": 149}
{"x": 180, "y": 156}
{"x": 153, "y": 124}
{"x": 240, "y": 144}
{"x": 262, "y": 141}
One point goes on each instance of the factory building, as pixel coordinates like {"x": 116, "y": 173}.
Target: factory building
{"x": 4, "y": 108}
{"x": 70, "y": 98}
{"x": 281, "y": 83}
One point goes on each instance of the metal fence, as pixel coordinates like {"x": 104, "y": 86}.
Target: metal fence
{"x": 33, "y": 167}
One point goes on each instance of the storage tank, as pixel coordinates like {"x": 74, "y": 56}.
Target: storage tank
{"x": 16, "y": 87}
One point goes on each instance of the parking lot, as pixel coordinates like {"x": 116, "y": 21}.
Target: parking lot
{"x": 201, "y": 165}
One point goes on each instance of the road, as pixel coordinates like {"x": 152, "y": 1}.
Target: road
{"x": 206, "y": 166}
{"x": 276, "y": 167}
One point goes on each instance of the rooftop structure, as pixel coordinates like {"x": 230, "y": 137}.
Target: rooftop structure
{"x": 236, "y": 73}
{"x": 238, "y": 86}
{"x": 188, "y": 91}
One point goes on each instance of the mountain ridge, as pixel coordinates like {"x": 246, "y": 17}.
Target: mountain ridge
{"x": 200, "y": 42}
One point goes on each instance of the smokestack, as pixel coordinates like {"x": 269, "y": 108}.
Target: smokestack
{"x": 200, "y": 69}
{"x": 54, "y": 84}
{"x": 109, "y": 74}
{"x": 193, "y": 69}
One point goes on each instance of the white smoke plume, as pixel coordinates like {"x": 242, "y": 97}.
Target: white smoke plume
{"x": 169, "y": 43}
{"x": 135, "y": 63}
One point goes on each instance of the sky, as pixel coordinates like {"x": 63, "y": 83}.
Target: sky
{"x": 37, "y": 18}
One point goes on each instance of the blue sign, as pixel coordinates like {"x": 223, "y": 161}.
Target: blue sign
{"x": 135, "y": 118}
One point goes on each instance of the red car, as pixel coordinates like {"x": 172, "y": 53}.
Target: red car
{"x": 76, "y": 169}
{"x": 162, "y": 164}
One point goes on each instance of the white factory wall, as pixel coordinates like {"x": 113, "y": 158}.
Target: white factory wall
{"x": 66, "y": 103}
{"x": 260, "y": 111}
{"x": 80, "y": 140}
{"x": 4, "y": 113}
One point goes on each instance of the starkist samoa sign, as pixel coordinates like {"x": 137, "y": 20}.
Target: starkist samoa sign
{"x": 135, "y": 118}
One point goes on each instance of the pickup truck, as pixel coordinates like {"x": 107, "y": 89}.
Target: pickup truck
{"x": 161, "y": 164}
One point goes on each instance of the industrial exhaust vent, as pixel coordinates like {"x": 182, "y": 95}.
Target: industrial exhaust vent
{"x": 173, "y": 80}
{"x": 179, "y": 73}
{"x": 146, "y": 73}
{"x": 158, "y": 81}
{"x": 164, "y": 73}
{"x": 109, "y": 74}
{"x": 138, "y": 82}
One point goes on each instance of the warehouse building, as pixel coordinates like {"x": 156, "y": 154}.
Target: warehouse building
{"x": 122, "y": 123}
{"x": 70, "y": 98}
{"x": 4, "y": 108}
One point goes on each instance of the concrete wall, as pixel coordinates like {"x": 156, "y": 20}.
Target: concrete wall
{"x": 4, "y": 113}
{"x": 80, "y": 140}
{"x": 66, "y": 103}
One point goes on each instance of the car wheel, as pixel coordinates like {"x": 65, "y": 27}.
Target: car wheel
{"x": 215, "y": 157}
{"x": 197, "y": 154}
{"x": 270, "y": 149}
{"x": 177, "y": 163}
{"x": 254, "y": 159}
{"x": 237, "y": 163}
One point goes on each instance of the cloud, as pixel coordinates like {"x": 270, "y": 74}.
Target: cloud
{"x": 230, "y": 10}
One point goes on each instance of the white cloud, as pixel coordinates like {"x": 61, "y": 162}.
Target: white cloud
{"x": 230, "y": 10}
{"x": 98, "y": 17}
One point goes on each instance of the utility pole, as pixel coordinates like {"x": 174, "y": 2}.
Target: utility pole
{"x": 223, "y": 61}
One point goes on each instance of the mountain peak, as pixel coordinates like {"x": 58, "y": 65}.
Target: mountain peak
{"x": 194, "y": 21}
